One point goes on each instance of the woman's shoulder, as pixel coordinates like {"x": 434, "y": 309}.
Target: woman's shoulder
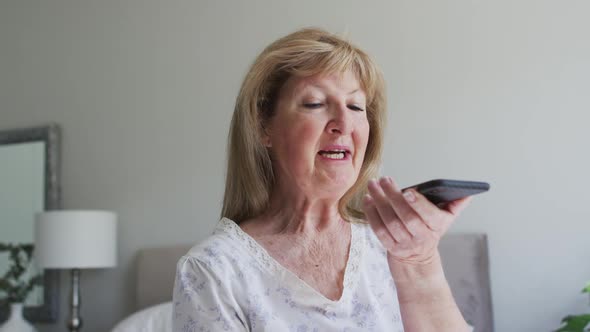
{"x": 219, "y": 248}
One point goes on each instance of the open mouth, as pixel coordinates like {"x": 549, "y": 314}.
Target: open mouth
{"x": 334, "y": 154}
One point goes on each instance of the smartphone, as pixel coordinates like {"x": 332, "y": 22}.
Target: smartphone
{"x": 442, "y": 191}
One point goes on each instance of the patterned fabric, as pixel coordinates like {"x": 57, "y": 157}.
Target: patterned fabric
{"x": 230, "y": 283}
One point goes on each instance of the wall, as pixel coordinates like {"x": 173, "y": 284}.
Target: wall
{"x": 483, "y": 90}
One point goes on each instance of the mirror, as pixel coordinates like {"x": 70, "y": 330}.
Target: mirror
{"x": 29, "y": 177}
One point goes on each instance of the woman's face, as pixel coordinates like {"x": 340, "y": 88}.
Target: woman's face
{"x": 318, "y": 134}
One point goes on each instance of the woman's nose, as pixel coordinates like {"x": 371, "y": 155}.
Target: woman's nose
{"x": 340, "y": 122}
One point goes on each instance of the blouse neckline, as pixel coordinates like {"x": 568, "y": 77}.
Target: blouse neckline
{"x": 261, "y": 255}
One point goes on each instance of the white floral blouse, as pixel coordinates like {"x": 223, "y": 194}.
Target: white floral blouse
{"x": 230, "y": 283}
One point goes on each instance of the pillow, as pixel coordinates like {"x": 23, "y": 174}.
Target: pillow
{"x": 157, "y": 318}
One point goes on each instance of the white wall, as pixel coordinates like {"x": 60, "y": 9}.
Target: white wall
{"x": 484, "y": 90}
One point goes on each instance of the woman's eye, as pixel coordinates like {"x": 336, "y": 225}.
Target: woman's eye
{"x": 356, "y": 108}
{"x": 312, "y": 105}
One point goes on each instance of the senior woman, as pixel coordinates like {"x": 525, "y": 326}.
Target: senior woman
{"x": 308, "y": 239}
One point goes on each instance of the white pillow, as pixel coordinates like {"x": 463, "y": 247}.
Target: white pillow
{"x": 156, "y": 318}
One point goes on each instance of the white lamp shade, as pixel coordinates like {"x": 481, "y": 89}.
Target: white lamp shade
{"x": 70, "y": 239}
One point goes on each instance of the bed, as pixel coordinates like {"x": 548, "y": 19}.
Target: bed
{"x": 465, "y": 260}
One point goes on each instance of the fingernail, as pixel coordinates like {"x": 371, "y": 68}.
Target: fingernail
{"x": 409, "y": 196}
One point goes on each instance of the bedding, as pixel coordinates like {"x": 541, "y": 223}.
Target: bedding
{"x": 157, "y": 318}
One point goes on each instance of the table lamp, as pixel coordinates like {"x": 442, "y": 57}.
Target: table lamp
{"x": 75, "y": 240}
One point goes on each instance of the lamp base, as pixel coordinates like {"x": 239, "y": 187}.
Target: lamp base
{"x": 75, "y": 321}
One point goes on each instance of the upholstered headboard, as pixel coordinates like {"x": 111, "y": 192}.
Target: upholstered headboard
{"x": 466, "y": 264}
{"x": 465, "y": 259}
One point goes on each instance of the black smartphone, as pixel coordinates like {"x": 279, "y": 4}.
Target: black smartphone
{"x": 442, "y": 191}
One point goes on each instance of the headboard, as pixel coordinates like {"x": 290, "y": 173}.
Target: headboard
{"x": 465, "y": 260}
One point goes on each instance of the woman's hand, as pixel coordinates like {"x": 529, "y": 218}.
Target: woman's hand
{"x": 410, "y": 227}
{"x": 407, "y": 224}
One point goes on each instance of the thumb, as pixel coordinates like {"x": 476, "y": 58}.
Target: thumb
{"x": 455, "y": 207}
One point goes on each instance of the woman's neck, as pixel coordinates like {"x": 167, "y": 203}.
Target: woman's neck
{"x": 298, "y": 213}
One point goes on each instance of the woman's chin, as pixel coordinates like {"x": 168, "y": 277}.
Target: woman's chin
{"x": 335, "y": 187}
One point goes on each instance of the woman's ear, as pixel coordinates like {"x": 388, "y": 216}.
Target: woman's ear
{"x": 265, "y": 137}
{"x": 266, "y": 140}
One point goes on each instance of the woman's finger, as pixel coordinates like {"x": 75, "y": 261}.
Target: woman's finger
{"x": 374, "y": 219}
{"x": 381, "y": 201}
{"x": 433, "y": 217}
{"x": 387, "y": 213}
{"x": 457, "y": 206}
{"x": 402, "y": 208}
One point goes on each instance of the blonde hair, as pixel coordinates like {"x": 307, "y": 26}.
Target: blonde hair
{"x": 304, "y": 53}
